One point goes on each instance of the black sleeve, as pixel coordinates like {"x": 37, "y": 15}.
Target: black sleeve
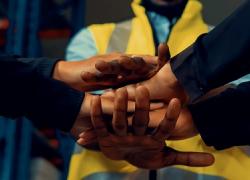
{"x": 224, "y": 120}
{"x": 216, "y": 58}
{"x": 27, "y": 89}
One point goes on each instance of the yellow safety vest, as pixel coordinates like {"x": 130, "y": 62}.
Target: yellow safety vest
{"x": 135, "y": 36}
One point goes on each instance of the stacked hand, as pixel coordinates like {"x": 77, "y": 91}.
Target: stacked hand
{"x": 138, "y": 147}
{"x": 105, "y": 71}
{"x": 83, "y": 121}
{"x": 102, "y": 72}
{"x": 163, "y": 85}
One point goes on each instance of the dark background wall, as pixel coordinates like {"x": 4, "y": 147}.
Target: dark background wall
{"x": 113, "y": 10}
{"x": 215, "y": 10}
{"x": 101, "y": 11}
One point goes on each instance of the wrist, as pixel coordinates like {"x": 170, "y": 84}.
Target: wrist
{"x": 70, "y": 73}
{"x": 177, "y": 85}
{"x": 82, "y": 122}
{"x": 59, "y": 70}
{"x": 86, "y": 105}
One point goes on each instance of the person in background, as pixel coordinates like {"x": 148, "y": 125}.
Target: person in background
{"x": 213, "y": 117}
{"x": 177, "y": 23}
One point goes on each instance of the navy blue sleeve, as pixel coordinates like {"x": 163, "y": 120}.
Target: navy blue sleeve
{"x": 224, "y": 120}
{"x": 216, "y": 58}
{"x": 27, "y": 89}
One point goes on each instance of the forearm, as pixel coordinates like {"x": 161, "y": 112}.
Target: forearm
{"x": 223, "y": 121}
{"x": 55, "y": 104}
{"x": 216, "y": 58}
{"x": 27, "y": 89}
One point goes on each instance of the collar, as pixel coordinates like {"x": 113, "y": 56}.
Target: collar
{"x": 169, "y": 10}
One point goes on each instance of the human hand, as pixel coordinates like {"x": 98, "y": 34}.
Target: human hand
{"x": 105, "y": 71}
{"x": 163, "y": 85}
{"x": 139, "y": 148}
{"x": 184, "y": 128}
{"x": 83, "y": 121}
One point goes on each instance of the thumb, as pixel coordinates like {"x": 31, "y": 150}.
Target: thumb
{"x": 163, "y": 54}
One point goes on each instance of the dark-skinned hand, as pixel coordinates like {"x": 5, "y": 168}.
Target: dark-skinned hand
{"x": 140, "y": 148}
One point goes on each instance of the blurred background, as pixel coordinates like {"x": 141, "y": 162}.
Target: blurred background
{"x": 34, "y": 28}
{"x": 53, "y": 22}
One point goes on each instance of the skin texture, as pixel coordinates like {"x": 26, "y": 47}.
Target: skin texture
{"x": 185, "y": 127}
{"x": 106, "y": 71}
{"x": 162, "y": 86}
{"x": 83, "y": 121}
{"x": 101, "y": 72}
{"x": 142, "y": 149}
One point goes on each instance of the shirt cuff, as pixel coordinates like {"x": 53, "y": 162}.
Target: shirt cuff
{"x": 55, "y": 104}
{"x": 222, "y": 120}
{"x": 44, "y": 66}
{"x": 184, "y": 66}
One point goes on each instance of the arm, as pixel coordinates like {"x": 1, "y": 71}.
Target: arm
{"x": 223, "y": 120}
{"x": 216, "y": 58}
{"x": 28, "y": 90}
{"x": 213, "y": 60}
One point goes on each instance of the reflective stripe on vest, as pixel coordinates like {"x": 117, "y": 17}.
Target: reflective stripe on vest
{"x": 120, "y": 37}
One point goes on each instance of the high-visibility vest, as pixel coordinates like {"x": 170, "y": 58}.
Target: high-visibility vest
{"x": 135, "y": 36}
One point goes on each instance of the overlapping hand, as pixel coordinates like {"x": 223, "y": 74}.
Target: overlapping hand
{"x": 137, "y": 146}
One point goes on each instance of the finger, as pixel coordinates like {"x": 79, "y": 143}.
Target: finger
{"x": 87, "y": 141}
{"x": 163, "y": 54}
{"x": 139, "y": 62}
{"x": 99, "y": 78}
{"x": 145, "y": 70}
{"x": 87, "y": 137}
{"x": 96, "y": 118}
{"x": 87, "y": 134}
{"x": 103, "y": 66}
{"x": 141, "y": 115}
{"x": 153, "y": 106}
{"x": 108, "y": 105}
{"x": 88, "y": 77}
{"x": 107, "y": 79}
{"x": 128, "y": 63}
{"x": 167, "y": 125}
{"x": 196, "y": 159}
{"x": 112, "y": 67}
{"x": 152, "y": 60}
{"x": 131, "y": 91}
{"x": 119, "y": 121}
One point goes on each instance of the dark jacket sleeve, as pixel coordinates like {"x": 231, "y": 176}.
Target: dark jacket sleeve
{"x": 224, "y": 120}
{"x": 216, "y": 58}
{"x": 27, "y": 89}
